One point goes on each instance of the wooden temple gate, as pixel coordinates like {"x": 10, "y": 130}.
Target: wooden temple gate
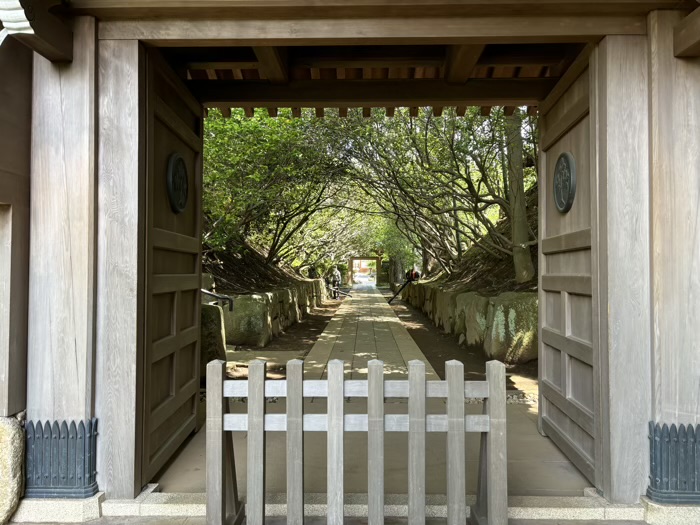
{"x": 135, "y": 78}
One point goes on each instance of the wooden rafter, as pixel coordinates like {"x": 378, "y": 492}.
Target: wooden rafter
{"x": 485, "y": 111}
{"x": 461, "y": 111}
{"x": 341, "y": 93}
{"x": 319, "y": 113}
{"x": 461, "y": 61}
{"x": 273, "y": 63}
{"x": 508, "y": 110}
{"x": 272, "y": 112}
{"x": 30, "y": 22}
{"x": 367, "y": 56}
{"x": 686, "y": 36}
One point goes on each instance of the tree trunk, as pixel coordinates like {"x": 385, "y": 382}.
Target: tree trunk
{"x": 522, "y": 260}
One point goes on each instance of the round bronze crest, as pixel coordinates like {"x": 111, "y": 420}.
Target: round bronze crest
{"x": 564, "y": 182}
{"x": 178, "y": 187}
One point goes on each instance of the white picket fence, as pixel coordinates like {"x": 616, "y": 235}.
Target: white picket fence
{"x": 223, "y": 505}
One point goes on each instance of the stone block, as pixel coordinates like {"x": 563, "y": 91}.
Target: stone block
{"x": 249, "y": 323}
{"x": 445, "y": 309}
{"x": 511, "y": 333}
{"x": 213, "y": 336}
{"x": 11, "y": 466}
{"x": 471, "y": 310}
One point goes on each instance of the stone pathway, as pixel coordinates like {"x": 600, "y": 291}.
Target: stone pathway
{"x": 364, "y": 328}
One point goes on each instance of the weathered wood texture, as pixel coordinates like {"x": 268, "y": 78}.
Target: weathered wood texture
{"x": 620, "y": 92}
{"x": 257, "y": 9}
{"x": 686, "y": 34}
{"x": 492, "y": 503}
{"x": 568, "y": 395}
{"x": 381, "y": 30}
{"x": 15, "y": 145}
{"x": 120, "y": 268}
{"x": 675, "y": 198}
{"x": 62, "y": 280}
{"x": 173, "y": 270}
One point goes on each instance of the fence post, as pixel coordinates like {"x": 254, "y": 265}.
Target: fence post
{"x": 375, "y": 442}
{"x": 216, "y": 503}
{"x": 295, "y": 442}
{"x": 336, "y": 429}
{"x": 255, "y": 494}
{"x": 492, "y": 492}
{"x": 456, "y": 478}
{"x": 416, "y": 442}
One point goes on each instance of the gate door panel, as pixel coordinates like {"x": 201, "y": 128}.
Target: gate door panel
{"x": 173, "y": 242}
{"x": 567, "y": 368}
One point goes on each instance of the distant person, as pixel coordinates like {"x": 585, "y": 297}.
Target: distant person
{"x": 335, "y": 276}
{"x": 412, "y": 275}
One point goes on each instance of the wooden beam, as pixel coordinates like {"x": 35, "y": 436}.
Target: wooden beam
{"x": 272, "y": 112}
{"x": 273, "y": 64}
{"x": 249, "y": 112}
{"x": 524, "y": 54}
{"x": 508, "y": 110}
{"x": 461, "y": 111}
{"x": 390, "y": 111}
{"x": 366, "y": 112}
{"x": 275, "y": 9}
{"x": 485, "y": 111}
{"x": 437, "y": 111}
{"x": 296, "y": 112}
{"x": 309, "y": 32}
{"x": 319, "y": 112}
{"x": 532, "y": 111}
{"x": 348, "y": 93}
{"x": 225, "y": 112}
{"x": 221, "y": 65}
{"x": 30, "y": 22}
{"x": 461, "y": 61}
{"x": 686, "y": 36}
{"x": 413, "y": 111}
{"x": 342, "y": 112}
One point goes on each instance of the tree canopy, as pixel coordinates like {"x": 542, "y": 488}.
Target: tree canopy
{"x": 315, "y": 191}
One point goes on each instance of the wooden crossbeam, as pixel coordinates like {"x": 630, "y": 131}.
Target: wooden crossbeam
{"x": 249, "y": 112}
{"x": 390, "y": 111}
{"x": 343, "y": 93}
{"x": 30, "y": 22}
{"x": 461, "y": 111}
{"x": 485, "y": 111}
{"x": 307, "y": 31}
{"x": 273, "y": 64}
{"x": 342, "y": 112}
{"x": 319, "y": 113}
{"x": 437, "y": 111}
{"x": 296, "y": 112}
{"x": 225, "y": 112}
{"x": 413, "y": 111}
{"x": 366, "y": 112}
{"x": 461, "y": 61}
{"x": 508, "y": 110}
{"x": 686, "y": 36}
{"x": 272, "y": 112}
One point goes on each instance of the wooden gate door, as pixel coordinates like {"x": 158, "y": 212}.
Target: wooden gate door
{"x": 568, "y": 367}
{"x": 173, "y": 247}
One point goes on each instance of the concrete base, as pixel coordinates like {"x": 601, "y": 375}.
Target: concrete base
{"x": 657, "y": 514}
{"x": 67, "y": 510}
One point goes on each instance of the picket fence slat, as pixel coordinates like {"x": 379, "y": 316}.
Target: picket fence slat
{"x": 295, "y": 443}
{"x": 456, "y": 476}
{"x": 416, "y": 442}
{"x": 335, "y": 465}
{"x": 255, "y": 503}
{"x": 375, "y": 442}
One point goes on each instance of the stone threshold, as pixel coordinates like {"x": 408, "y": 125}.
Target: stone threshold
{"x": 153, "y": 503}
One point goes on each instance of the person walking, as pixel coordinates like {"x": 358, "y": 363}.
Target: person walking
{"x": 336, "y": 278}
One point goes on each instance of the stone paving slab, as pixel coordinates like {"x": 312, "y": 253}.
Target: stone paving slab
{"x": 364, "y": 328}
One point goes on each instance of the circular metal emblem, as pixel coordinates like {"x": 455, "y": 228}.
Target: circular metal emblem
{"x": 178, "y": 187}
{"x": 564, "y": 182}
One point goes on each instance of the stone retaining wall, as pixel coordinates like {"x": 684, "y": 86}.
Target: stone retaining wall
{"x": 505, "y": 326}
{"x": 257, "y": 318}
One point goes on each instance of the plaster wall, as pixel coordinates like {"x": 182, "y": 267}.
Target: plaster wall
{"x": 15, "y": 136}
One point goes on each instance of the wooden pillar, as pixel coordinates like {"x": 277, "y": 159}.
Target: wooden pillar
{"x": 15, "y": 136}
{"x": 62, "y": 240}
{"x": 621, "y": 269}
{"x": 120, "y": 269}
{"x": 675, "y": 222}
